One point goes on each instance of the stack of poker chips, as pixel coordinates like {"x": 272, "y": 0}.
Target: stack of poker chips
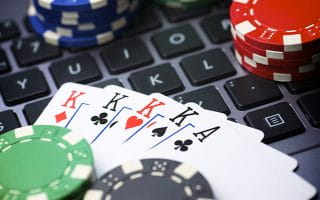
{"x": 81, "y": 23}
{"x": 185, "y": 4}
{"x": 277, "y": 40}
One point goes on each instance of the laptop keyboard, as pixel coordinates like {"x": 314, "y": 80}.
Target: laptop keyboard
{"x": 184, "y": 54}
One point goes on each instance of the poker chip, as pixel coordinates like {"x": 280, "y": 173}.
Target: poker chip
{"x": 311, "y": 54}
{"x": 281, "y": 64}
{"x": 272, "y": 40}
{"x": 82, "y": 35}
{"x": 277, "y": 25}
{"x": 274, "y": 74}
{"x": 44, "y": 162}
{"x": 84, "y": 23}
{"x": 155, "y": 179}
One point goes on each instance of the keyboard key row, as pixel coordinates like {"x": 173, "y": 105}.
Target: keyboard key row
{"x": 169, "y": 43}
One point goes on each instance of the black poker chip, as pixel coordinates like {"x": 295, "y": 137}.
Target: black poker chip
{"x": 151, "y": 179}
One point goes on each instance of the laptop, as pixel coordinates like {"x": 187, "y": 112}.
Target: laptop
{"x": 288, "y": 113}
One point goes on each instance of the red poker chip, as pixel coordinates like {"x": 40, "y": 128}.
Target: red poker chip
{"x": 273, "y": 62}
{"x": 312, "y": 54}
{"x": 277, "y": 25}
{"x": 269, "y": 68}
{"x": 277, "y": 76}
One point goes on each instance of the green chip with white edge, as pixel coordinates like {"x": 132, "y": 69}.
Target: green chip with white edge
{"x": 44, "y": 162}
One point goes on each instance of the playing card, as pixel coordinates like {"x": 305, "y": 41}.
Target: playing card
{"x": 254, "y": 137}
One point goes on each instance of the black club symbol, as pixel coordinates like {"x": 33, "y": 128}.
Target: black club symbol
{"x": 183, "y": 145}
{"x": 101, "y": 119}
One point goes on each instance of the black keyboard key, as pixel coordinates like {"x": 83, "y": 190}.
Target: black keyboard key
{"x": 33, "y": 49}
{"x": 179, "y": 14}
{"x": 124, "y": 55}
{"x": 162, "y": 78}
{"x": 207, "y": 66}
{"x": 208, "y": 98}
{"x": 8, "y": 121}
{"x": 4, "y": 63}
{"x": 177, "y": 41}
{"x": 33, "y": 110}
{"x": 251, "y": 91}
{"x": 310, "y": 106}
{"x": 23, "y": 86}
{"x": 80, "y": 69}
{"x": 146, "y": 20}
{"x": 217, "y": 28}
{"x": 8, "y": 30}
{"x": 113, "y": 81}
{"x": 303, "y": 86}
{"x": 277, "y": 122}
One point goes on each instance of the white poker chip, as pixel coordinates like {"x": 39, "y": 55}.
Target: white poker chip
{"x": 156, "y": 179}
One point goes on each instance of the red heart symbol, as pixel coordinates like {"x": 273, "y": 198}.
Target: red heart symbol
{"x": 133, "y": 121}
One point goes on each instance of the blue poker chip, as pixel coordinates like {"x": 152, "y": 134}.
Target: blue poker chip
{"x": 99, "y": 29}
{"x": 104, "y": 12}
{"x": 56, "y": 39}
{"x": 97, "y": 20}
{"x": 89, "y": 29}
{"x": 80, "y": 5}
{"x": 155, "y": 179}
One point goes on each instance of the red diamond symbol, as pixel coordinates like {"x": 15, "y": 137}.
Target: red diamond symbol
{"x": 61, "y": 116}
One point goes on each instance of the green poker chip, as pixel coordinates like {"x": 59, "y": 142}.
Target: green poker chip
{"x": 44, "y": 162}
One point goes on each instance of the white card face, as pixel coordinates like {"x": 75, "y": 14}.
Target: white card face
{"x": 65, "y": 103}
{"x": 254, "y": 136}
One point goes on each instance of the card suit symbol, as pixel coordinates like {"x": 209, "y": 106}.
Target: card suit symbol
{"x": 114, "y": 123}
{"x": 159, "y": 131}
{"x": 101, "y": 119}
{"x": 133, "y": 121}
{"x": 61, "y": 116}
{"x": 183, "y": 145}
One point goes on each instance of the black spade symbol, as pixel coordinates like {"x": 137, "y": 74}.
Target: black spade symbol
{"x": 159, "y": 131}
